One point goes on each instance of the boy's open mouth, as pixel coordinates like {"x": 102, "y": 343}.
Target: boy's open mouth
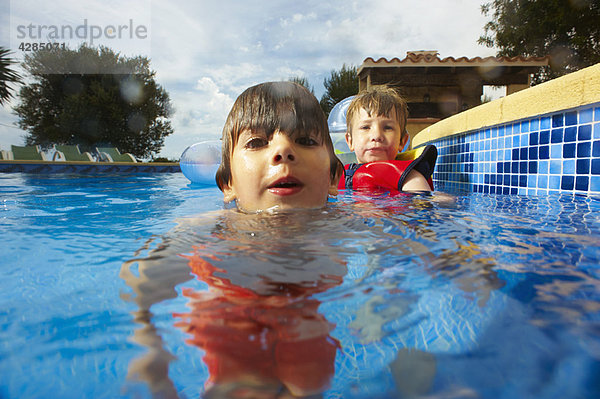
{"x": 286, "y": 182}
{"x": 286, "y": 185}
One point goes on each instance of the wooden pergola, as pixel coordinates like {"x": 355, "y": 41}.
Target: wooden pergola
{"x": 437, "y": 88}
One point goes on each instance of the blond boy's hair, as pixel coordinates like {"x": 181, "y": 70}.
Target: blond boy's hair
{"x": 379, "y": 100}
{"x": 269, "y": 107}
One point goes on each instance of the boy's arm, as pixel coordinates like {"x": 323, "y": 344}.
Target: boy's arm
{"x": 415, "y": 181}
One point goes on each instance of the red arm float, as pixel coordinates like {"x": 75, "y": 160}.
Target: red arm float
{"x": 388, "y": 175}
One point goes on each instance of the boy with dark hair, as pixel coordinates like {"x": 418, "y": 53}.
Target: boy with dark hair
{"x": 276, "y": 151}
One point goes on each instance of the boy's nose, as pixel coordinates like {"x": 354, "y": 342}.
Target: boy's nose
{"x": 283, "y": 149}
{"x": 376, "y": 133}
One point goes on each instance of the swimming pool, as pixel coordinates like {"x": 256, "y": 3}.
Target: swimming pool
{"x": 465, "y": 295}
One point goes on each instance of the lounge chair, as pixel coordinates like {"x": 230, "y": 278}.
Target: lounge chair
{"x": 29, "y": 153}
{"x": 112, "y": 154}
{"x": 71, "y": 153}
{"x": 5, "y": 155}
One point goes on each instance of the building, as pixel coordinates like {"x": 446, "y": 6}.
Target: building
{"x": 437, "y": 88}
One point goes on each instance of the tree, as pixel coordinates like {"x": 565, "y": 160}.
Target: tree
{"x": 302, "y": 81}
{"x": 341, "y": 84}
{"x": 93, "y": 96}
{"x": 567, "y": 30}
{"x": 7, "y": 76}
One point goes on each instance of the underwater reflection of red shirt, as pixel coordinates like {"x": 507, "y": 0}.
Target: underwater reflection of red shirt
{"x": 273, "y": 337}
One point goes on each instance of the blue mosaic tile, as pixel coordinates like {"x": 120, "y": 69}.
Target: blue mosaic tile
{"x": 523, "y": 181}
{"x": 597, "y": 114}
{"x": 556, "y": 151}
{"x": 595, "y": 167}
{"x": 585, "y": 115}
{"x": 545, "y": 137}
{"x": 568, "y": 167}
{"x": 514, "y": 180}
{"x": 597, "y": 131}
{"x": 567, "y": 182}
{"x": 544, "y": 152}
{"x": 569, "y": 150}
{"x": 524, "y": 126}
{"x": 596, "y": 149}
{"x": 534, "y": 125}
{"x": 570, "y": 134}
{"x": 516, "y": 141}
{"x": 584, "y": 132}
{"x": 570, "y": 118}
{"x": 523, "y": 167}
{"x": 557, "y": 136}
{"x": 542, "y": 181}
{"x": 533, "y": 167}
{"x": 543, "y": 167}
{"x": 554, "y": 182}
{"x": 533, "y": 153}
{"x": 545, "y": 123}
{"x": 595, "y": 183}
{"x": 533, "y": 138}
{"x": 582, "y": 183}
{"x": 557, "y": 120}
{"x": 583, "y": 149}
{"x": 583, "y": 166}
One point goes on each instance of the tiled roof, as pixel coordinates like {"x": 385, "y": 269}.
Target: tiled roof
{"x": 431, "y": 59}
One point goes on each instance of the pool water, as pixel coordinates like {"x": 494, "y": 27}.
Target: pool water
{"x": 143, "y": 285}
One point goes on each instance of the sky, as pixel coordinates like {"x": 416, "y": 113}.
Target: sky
{"x": 205, "y": 53}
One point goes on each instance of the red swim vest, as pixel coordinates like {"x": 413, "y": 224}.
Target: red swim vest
{"x": 390, "y": 175}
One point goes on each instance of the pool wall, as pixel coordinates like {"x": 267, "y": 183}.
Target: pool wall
{"x": 542, "y": 140}
{"x": 90, "y": 168}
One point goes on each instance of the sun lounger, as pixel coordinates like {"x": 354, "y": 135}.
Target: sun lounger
{"x": 28, "y": 153}
{"x": 71, "y": 153}
{"x": 112, "y": 154}
{"x": 5, "y": 155}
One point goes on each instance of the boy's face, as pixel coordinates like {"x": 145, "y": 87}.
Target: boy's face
{"x": 280, "y": 171}
{"x": 375, "y": 137}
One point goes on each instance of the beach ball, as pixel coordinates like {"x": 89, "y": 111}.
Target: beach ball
{"x": 337, "y": 125}
{"x": 199, "y": 162}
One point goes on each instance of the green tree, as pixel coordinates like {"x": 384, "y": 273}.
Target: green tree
{"x": 7, "y": 76}
{"x": 340, "y": 84}
{"x": 567, "y": 30}
{"x": 302, "y": 81}
{"x": 93, "y": 96}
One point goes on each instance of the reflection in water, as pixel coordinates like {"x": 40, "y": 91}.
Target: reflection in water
{"x": 258, "y": 322}
{"x": 274, "y": 341}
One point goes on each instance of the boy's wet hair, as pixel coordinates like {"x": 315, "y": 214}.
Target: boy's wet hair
{"x": 379, "y": 100}
{"x": 275, "y": 106}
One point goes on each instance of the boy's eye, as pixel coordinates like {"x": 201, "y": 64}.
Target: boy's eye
{"x": 256, "y": 142}
{"x": 364, "y": 127}
{"x": 307, "y": 141}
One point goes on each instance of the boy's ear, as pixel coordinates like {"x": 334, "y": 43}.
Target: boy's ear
{"x": 228, "y": 193}
{"x": 349, "y": 140}
{"x": 333, "y": 190}
{"x": 403, "y": 140}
